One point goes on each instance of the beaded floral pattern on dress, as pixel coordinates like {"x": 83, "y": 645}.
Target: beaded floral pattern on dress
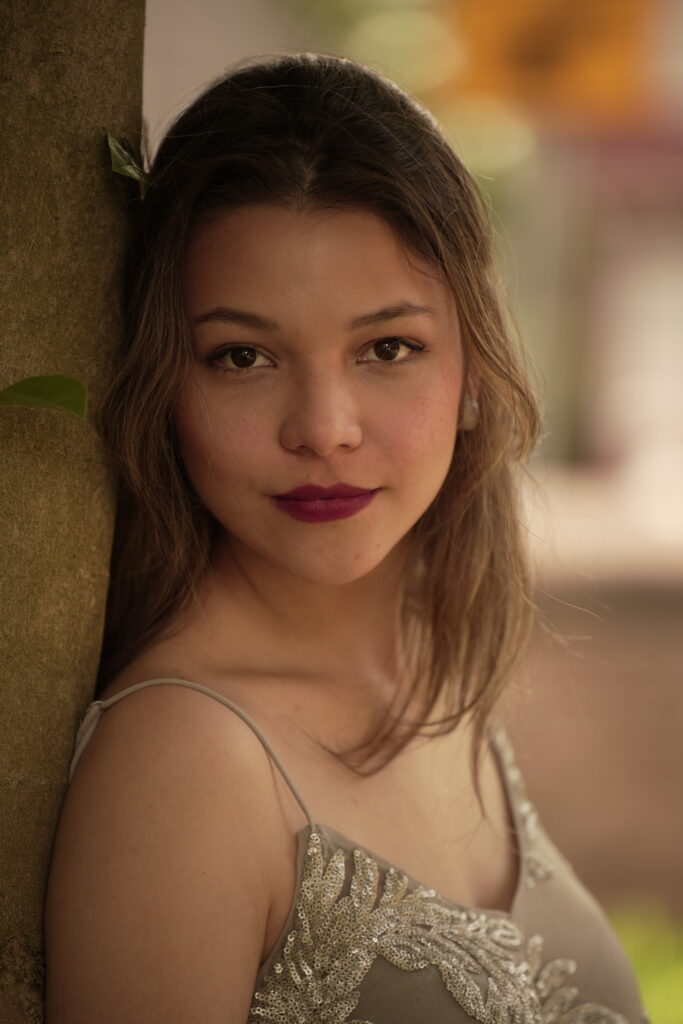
{"x": 485, "y": 963}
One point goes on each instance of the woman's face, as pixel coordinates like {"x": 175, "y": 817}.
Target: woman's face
{"x": 346, "y": 367}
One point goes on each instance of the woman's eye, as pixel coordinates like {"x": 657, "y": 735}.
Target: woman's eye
{"x": 236, "y": 358}
{"x": 243, "y": 358}
{"x": 388, "y": 349}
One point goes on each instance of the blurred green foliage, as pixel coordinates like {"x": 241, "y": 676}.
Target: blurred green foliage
{"x": 653, "y": 940}
{"x": 52, "y": 392}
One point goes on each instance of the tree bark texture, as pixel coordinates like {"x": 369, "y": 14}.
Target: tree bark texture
{"x": 71, "y": 70}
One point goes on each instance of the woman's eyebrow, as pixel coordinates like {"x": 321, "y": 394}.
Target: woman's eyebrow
{"x": 392, "y": 313}
{"x": 226, "y": 314}
{"x": 237, "y": 316}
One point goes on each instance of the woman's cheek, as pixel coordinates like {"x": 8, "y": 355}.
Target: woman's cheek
{"x": 425, "y": 434}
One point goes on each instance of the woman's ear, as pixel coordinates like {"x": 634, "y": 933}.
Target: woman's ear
{"x": 469, "y": 407}
{"x": 469, "y": 412}
{"x": 472, "y": 381}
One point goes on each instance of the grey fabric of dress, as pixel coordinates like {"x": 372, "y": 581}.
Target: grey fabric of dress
{"x": 365, "y": 943}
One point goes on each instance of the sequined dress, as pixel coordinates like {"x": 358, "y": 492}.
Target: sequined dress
{"x": 365, "y": 943}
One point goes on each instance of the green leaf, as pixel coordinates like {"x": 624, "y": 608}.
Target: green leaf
{"x": 124, "y": 161}
{"x": 55, "y": 392}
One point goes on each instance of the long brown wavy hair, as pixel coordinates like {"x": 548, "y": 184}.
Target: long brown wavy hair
{"x": 312, "y": 131}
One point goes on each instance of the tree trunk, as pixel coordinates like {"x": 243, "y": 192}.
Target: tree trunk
{"x": 71, "y": 70}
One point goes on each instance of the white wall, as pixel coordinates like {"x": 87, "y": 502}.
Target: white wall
{"x": 190, "y": 42}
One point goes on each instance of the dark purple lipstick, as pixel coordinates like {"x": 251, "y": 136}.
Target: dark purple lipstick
{"x": 313, "y": 504}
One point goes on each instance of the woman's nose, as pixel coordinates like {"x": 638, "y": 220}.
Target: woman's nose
{"x": 321, "y": 415}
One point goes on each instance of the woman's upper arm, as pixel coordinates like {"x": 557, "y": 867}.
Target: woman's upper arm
{"x": 159, "y": 892}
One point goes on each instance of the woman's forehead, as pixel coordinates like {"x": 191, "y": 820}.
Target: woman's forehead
{"x": 264, "y": 252}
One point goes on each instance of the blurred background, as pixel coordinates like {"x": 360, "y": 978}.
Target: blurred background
{"x": 570, "y": 113}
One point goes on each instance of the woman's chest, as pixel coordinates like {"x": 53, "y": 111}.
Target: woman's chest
{"x": 417, "y": 818}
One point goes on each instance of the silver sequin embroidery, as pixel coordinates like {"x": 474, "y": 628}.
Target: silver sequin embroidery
{"x": 490, "y": 969}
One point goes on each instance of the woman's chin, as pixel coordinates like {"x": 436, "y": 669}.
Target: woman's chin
{"x": 333, "y": 572}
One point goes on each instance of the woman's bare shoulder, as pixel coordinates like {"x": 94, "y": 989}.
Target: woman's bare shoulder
{"x": 170, "y": 818}
{"x": 174, "y": 719}
{"x": 157, "y": 662}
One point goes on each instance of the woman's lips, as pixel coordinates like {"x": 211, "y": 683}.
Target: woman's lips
{"x": 311, "y": 492}
{"x": 323, "y": 510}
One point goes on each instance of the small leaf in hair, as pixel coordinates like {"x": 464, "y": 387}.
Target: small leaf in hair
{"x": 125, "y": 162}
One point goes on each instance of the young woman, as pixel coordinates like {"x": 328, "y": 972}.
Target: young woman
{"x": 297, "y": 807}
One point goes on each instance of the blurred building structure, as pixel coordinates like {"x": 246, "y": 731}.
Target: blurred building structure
{"x": 571, "y": 114}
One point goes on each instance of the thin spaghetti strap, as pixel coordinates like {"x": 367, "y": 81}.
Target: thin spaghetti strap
{"x": 518, "y": 802}
{"x": 90, "y": 720}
